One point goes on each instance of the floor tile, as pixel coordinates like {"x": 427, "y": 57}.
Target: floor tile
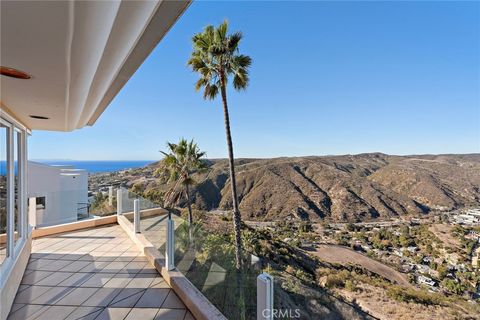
{"x": 54, "y": 279}
{"x": 76, "y": 279}
{"x": 142, "y": 314}
{"x": 17, "y": 306}
{"x": 114, "y": 266}
{"x": 119, "y": 281}
{"x": 152, "y": 298}
{"x": 98, "y": 280}
{"x": 56, "y": 313}
{"x": 189, "y": 316}
{"x": 170, "y": 314}
{"x": 173, "y": 301}
{"x": 75, "y": 266}
{"x": 29, "y": 311}
{"x": 35, "y": 276}
{"x": 128, "y": 297}
{"x": 29, "y": 294}
{"x": 95, "y": 266}
{"x": 141, "y": 281}
{"x": 159, "y": 282}
{"x": 102, "y": 297}
{"x": 84, "y": 313}
{"x": 113, "y": 314}
{"x": 77, "y": 296}
{"x": 52, "y": 296}
{"x": 56, "y": 265}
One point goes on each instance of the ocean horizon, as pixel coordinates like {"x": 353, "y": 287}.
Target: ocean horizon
{"x": 98, "y": 166}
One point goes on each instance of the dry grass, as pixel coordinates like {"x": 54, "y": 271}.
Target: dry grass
{"x": 443, "y": 232}
{"x": 375, "y": 301}
{"x": 342, "y": 255}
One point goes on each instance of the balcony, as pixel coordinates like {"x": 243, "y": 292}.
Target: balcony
{"x": 116, "y": 266}
{"x": 99, "y": 268}
{"x": 94, "y": 273}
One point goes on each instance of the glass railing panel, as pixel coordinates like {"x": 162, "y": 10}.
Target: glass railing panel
{"x": 99, "y": 205}
{"x": 152, "y": 221}
{"x": 207, "y": 259}
{"x": 127, "y": 201}
{"x": 208, "y": 262}
{"x": 146, "y": 204}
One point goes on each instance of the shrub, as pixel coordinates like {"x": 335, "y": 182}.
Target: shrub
{"x": 416, "y": 296}
{"x": 337, "y": 280}
{"x": 350, "y": 285}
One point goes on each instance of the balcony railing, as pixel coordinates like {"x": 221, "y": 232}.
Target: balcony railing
{"x": 207, "y": 260}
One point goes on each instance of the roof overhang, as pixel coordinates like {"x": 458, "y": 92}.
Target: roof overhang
{"x": 79, "y": 55}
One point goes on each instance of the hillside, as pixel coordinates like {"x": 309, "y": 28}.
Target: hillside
{"x": 342, "y": 188}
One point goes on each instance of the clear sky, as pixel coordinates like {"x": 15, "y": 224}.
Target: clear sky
{"x": 327, "y": 78}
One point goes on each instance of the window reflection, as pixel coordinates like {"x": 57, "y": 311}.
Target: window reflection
{"x": 3, "y": 191}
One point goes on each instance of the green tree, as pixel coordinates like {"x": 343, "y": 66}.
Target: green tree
{"x": 98, "y": 201}
{"x": 442, "y": 270}
{"x": 179, "y": 163}
{"x": 216, "y": 58}
{"x": 453, "y": 286}
{"x": 405, "y": 241}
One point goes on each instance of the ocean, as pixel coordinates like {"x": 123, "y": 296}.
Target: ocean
{"x": 94, "y": 166}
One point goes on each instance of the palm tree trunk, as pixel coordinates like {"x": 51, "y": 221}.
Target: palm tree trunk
{"x": 236, "y": 212}
{"x": 189, "y": 205}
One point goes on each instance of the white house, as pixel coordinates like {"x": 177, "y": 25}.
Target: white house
{"x": 426, "y": 280}
{"x": 61, "y": 193}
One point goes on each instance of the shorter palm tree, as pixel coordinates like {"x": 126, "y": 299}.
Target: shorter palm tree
{"x": 183, "y": 159}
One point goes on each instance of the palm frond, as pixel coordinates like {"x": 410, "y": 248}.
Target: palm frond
{"x": 210, "y": 91}
{"x": 240, "y": 79}
{"x": 233, "y": 41}
{"x": 221, "y": 32}
{"x": 215, "y": 54}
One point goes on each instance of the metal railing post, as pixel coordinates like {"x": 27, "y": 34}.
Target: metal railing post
{"x": 110, "y": 196}
{"x": 265, "y": 297}
{"x": 32, "y": 212}
{"x": 170, "y": 246}
{"x": 136, "y": 215}
{"x": 119, "y": 201}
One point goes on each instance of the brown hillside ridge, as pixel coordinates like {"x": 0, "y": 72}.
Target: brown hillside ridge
{"x": 340, "y": 188}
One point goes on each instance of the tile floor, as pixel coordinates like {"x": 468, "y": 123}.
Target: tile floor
{"x": 96, "y": 273}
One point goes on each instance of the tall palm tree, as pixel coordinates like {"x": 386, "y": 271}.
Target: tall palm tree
{"x": 216, "y": 58}
{"x": 179, "y": 163}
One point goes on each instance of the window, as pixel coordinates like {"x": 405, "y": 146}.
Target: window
{"x": 17, "y": 185}
{"x": 3, "y": 191}
{"x": 40, "y": 202}
{"x": 13, "y": 214}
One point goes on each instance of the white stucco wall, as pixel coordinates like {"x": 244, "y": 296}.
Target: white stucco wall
{"x": 63, "y": 188}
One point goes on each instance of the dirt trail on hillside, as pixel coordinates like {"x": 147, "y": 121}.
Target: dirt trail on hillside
{"x": 342, "y": 255}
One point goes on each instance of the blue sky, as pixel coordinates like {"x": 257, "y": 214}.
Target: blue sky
{"x": 327, "y": 78}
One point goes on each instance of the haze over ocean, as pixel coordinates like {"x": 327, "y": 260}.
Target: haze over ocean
{"x": 96, "y": 166}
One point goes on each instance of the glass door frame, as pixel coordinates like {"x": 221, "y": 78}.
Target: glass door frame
{"x": 13, "y": 248}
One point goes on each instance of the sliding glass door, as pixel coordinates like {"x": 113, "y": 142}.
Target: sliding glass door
{"x": 4, "y": 133}
{"x": 13, "y": 208}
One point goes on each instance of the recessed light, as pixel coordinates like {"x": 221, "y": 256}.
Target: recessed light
{"x": 39, "y": 117}
{"x": 14, "y": 73}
